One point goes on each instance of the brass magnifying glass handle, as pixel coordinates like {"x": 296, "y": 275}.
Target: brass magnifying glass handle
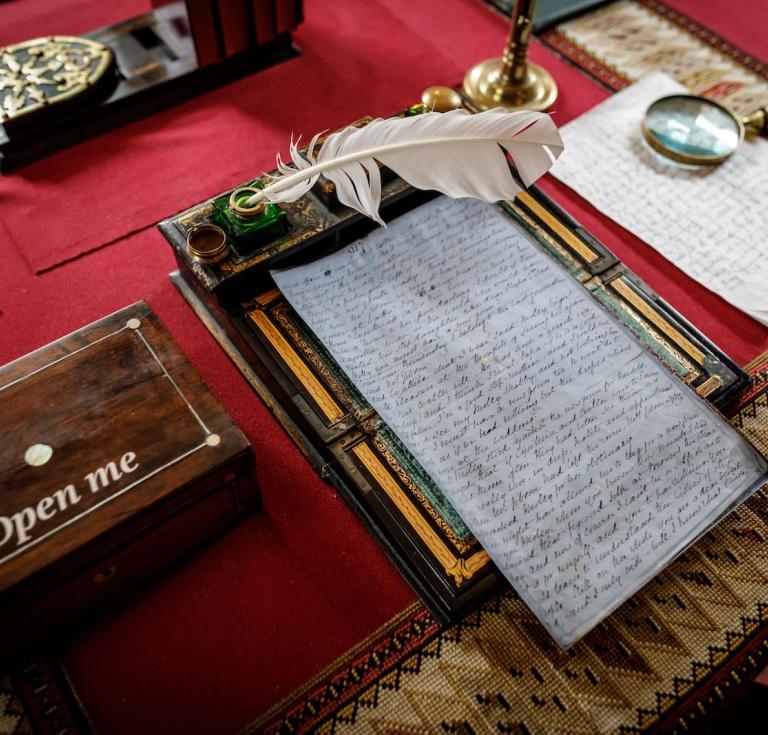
{"x": 757, "y": 121}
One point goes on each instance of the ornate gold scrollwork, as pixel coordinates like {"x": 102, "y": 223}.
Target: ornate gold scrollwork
{"x": 44, "y": 71}
{"x": 459, "y": 571}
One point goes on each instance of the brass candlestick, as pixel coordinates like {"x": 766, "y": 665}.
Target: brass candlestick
{"x": 512, "y": 81}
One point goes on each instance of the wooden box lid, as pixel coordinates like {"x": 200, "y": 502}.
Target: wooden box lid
{"x": 101, "y": 431}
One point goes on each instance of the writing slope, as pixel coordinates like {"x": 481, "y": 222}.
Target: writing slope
{"x": 579, "y": 462}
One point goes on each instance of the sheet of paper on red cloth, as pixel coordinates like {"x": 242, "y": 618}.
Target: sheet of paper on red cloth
{"x": 709, "y": 221}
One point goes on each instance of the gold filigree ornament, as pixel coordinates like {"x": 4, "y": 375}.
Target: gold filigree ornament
{"x": 44, "y": 71}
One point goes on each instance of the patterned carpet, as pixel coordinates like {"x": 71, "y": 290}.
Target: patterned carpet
{"x": 621, "y": 42}
{"x": 36, "y": 699}
{"x": 668, "y": 658}
{"x": 12, "y": 718}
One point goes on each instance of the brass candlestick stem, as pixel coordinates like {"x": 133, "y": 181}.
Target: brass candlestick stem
{"x": 512, "y": 81}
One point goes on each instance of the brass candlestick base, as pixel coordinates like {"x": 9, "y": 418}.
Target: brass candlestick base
{"x": 485, "y": 84}
{"x": 512, "y": 81}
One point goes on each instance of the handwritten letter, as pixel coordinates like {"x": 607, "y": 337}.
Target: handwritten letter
{"x": 711, "y": 222}
{"x": 580, "y": 464}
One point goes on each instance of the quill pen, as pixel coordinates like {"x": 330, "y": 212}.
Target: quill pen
{"x": 456, "y": 153}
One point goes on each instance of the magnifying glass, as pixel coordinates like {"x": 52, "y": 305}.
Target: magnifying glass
{"x": 695, "y": 130}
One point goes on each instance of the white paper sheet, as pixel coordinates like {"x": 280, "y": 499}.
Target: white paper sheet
{"x": 579, "y": 462}
{"x": 711, "y": 223}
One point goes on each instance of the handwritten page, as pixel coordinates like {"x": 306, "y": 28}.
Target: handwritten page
{"x": 711, "y": 222}
{"x": 579, "y": 462}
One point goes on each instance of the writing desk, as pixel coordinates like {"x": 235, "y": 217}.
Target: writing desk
{"x": 211, "y": 645}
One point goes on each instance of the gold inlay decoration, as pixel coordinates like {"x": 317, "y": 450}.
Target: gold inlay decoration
{"x": 43, "y": 71}
{"x": 268, "y": 297}
{"x": 557, "y": 227}
{"x": 711, "y": 384}
{"x": 693, "y": 372}
{"x": 229, "y": 267}
{"x": 460, "y": 569}
{"x": 298, "y": 367}
{"x": 476, "y": 561}
{"x": 626, "y": 291}
{"x": 561, "y": 252}
{"x": 461, "y": 546}
{"x": 195, "y": 217}
{"x": 316, "y": 361}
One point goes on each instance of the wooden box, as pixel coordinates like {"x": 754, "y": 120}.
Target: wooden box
{"x": 115, "y": 459}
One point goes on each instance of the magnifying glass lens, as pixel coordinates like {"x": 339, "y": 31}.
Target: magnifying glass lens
{"x": 692, "y": 126}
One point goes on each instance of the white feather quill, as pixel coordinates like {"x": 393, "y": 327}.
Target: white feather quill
{"x": 456, "y": 153}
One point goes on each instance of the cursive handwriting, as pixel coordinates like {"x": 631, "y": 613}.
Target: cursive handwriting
{"x": 709, "y": 221}
{"x": 579, "y": 462}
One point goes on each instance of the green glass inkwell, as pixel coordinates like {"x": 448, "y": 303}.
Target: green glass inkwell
{"x": 416, "y": 109}
{"x": 249, "y": 227}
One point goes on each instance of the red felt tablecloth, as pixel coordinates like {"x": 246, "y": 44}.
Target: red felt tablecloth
{"x": 217, "y": 641}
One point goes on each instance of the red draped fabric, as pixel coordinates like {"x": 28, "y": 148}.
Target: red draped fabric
{"x": 213, "y": 643}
